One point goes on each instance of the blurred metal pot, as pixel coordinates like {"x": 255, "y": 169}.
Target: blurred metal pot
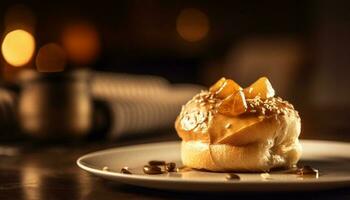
{"x": 55, "y": 105}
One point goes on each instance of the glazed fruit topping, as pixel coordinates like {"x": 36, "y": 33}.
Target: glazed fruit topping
{"x": 224, "y": 88}
{"x": 233, "y": 105}
{"x": 262, "y": 87}
{"x": 234, "y": 97}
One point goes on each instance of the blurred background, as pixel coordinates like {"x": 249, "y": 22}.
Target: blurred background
{"x": 109, "y": 69}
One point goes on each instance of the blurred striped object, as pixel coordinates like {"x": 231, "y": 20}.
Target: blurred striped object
{"x": 140, "y": 103}
{"x": 124, "y": 104}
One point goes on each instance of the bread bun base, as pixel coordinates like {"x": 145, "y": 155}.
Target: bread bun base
{"x": 255, "y": 157}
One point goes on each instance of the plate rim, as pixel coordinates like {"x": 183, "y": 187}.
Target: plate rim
{"x": 120, "y": 176}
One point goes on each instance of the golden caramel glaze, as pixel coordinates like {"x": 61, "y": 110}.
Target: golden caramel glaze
{"x": 200, "y": 120}
{"x": 262, "y": 87}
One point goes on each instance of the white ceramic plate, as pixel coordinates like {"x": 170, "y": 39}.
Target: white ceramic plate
{"x": 332, "y": 159}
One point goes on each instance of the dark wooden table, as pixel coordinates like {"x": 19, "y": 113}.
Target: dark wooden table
{"x": 48, "y": 171}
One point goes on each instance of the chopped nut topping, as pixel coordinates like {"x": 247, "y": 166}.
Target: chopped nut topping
{"x": 269, "y": 106}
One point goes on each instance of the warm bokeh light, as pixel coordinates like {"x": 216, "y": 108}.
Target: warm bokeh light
{"x": 81, "y": 42}
{"x": 192, "y": 25}
{"x": 51, "y": 58}
{"x": 18, "y": 47}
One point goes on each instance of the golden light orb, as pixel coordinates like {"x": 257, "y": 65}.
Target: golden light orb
{"x": 192, "y": 24}
{"x": 81, "y": 42}
{"x": 18, "y": 47}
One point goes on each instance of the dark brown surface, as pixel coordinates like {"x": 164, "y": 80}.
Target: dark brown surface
{"x": 37, "y": 171}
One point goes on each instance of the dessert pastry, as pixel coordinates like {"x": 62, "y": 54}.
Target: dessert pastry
{"x": 229, "y": 128}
